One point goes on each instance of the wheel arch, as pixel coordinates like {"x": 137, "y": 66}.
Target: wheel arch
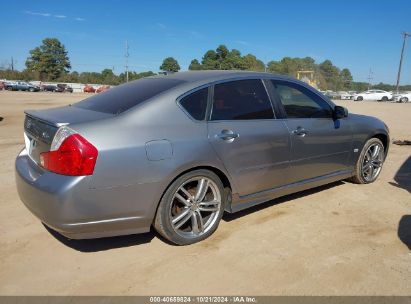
{"x": 227, "y": 184}
{"x": 384, "y": 139}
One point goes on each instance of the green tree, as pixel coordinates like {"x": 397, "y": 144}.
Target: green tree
{"x": 194, "y": 65}
{"x": 209, "y": 61}
{"x": 251, "y": 63}
{"x": 170, "y": 65}
{"x": 223, "y": 59}
{"x": 346, "y": 78}
{"x": 50, "y": 60}
{"x": 108, "y": 77}
{"x": 331, "y": 75}
{"x": 384, "y": 87}
{"x": 134, "y": 76}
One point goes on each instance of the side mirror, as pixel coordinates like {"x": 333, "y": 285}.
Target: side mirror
{"x": 340, "y": 112}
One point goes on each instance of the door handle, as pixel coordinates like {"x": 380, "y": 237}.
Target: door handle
{"x": 300, "y": 132}
{"x": 228, "y": 135}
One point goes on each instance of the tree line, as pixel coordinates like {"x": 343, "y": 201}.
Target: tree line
{"x": 50, "y": 62}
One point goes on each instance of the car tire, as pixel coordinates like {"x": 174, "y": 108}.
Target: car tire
{"x": 384, "y": 98}
{"x": 182, "y": 216}
{"x": 31, "y": 90}
{"x": 404, "y": 99}
{"x": 369, "y": 163}
{"x": 360, "y": 98}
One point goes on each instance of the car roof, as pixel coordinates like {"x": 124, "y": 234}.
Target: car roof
{"x": 215, "y": 75}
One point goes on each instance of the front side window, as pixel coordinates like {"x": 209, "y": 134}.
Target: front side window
{"x": 300, "y": 102}
{"x": 241, "y": 100}
{"x": 196, "y": 103}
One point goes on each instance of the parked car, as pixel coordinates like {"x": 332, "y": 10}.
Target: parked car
{"x": 402, "y": 97}
{"x": 102, "y": 89}
{"x": 177, "y": 151}
{"x": 331, "y": 94}
{"x": 21, "y": 86}
{"x": 89, "y": 89}
{"x": 379, "y": 95}
{"x": 49, "y": 88}
{"x": 347, "y": 95}
{"x": 61, "y": 88}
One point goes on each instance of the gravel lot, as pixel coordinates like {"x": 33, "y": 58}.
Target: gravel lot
{"x": 341, "y": 239}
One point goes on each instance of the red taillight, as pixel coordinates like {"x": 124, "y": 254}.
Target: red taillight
{"x": 75, "y": 156}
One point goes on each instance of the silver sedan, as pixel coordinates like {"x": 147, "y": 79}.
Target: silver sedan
{"x": 176, "y": 151}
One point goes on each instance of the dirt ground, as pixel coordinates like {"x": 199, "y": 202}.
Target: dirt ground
{"x": 341, "y": 239}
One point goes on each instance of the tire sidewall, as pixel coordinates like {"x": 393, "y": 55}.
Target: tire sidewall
{"x": 162, "y": 222}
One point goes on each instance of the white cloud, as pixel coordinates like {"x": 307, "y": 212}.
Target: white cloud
{"x": 241, "y": 42}
{"x": 37, "y": 14}
{"x": 58, "y": 16}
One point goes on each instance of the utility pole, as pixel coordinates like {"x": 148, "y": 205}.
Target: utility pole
{"x": 406, "y": 35}
{"x": 12, "y": 63}
{"x": 126, "y": 56}
{"x": 369, "y": 78}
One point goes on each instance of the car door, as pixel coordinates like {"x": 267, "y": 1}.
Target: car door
{"x": 320, "y": 145}
{"x": 242, "y": 129}
{"x": 375, "y": 95}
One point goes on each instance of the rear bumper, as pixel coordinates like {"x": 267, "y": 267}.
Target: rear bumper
{"x": 68, "y": 205}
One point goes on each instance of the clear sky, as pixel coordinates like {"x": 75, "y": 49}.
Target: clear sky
{"x": 359, "y": 34}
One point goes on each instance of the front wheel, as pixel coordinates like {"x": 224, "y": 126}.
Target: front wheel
{"x": 384, "y": 98}
{"x": 404, "y": 99}
{"x": 370, "y": 162}
{"x": 360, "y": 98}
{"x": 191, "y": 208}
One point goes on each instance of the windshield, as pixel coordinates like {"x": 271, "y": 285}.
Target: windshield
{"x": 126, "y": 96}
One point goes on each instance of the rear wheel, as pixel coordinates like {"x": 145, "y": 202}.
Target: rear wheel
{"x": 384, "y": 98}
{"x": 360, "y": 98}
{"x": 370, "y": 162}
{"x": 191, "y": 208}
{"x": 404, "y": 99}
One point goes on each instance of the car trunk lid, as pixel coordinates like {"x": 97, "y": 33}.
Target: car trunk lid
{"x": 40, "y": 126}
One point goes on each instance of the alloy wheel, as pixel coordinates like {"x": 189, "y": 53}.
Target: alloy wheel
{"x": 195, "y": 207}
{"x": 372, "y": 162}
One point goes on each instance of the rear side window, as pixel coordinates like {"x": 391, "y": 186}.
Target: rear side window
{"x": 126, "y": 96}
{"x": 241, "y": 100}
{"x": 196, "y": 103}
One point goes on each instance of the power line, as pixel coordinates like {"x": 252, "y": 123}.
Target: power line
{"x": 405, "y": 35}
{"x": 126, "y": 55}
{"x": 369, "y": 78}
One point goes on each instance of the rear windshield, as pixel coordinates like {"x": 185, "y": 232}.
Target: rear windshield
{"x": 119, "y": 99}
